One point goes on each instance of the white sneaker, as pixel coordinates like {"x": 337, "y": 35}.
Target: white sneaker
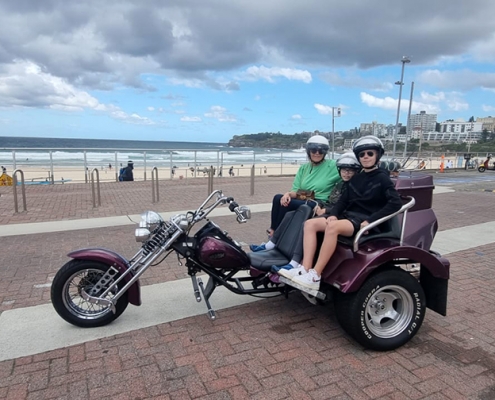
{"x": 310, "y": 280}
{"x": 293, "y": 272}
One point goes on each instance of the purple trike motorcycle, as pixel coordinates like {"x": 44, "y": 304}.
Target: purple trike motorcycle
{"x": 380, "y": 284}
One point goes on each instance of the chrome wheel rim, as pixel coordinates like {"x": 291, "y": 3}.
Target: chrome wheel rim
{"x": 73, "y": 301}
{"x": 389, "y": 311}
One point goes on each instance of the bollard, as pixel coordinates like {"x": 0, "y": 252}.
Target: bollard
{"x": 252, "y": 180}
{"x": 97, "y": 186}
{"x": 23, "y": 190}
{"x": 155, "y": 195}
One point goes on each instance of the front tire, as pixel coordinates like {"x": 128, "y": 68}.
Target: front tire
{"x": 385, "y": 313}
{"x": 70, "y": 280}
{"x": 481, "y": 169}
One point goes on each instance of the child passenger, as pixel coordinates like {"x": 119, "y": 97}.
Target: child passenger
{"x": 370, "y": 196}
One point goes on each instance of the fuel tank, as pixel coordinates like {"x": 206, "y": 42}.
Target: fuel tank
{"x": 217, "y": 250}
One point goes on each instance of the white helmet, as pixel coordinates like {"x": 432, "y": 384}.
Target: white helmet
{"x": 317, "y": 143}
{"x": 348, "y": 160}
{"x": 369, "y": 142}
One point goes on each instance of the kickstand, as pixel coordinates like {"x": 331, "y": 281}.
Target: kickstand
{"x": 211, "y": 311}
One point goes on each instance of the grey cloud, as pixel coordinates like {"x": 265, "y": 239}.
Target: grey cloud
{"x": 104, "y": 43}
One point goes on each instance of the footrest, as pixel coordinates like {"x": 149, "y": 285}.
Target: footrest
{"x": 312, "y": 292}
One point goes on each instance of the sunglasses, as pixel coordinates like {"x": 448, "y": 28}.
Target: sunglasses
{"x": 319, "y": 150}
{"x": 368, "y": 153}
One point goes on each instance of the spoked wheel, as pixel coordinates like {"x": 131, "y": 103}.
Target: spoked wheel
{"x": 385, "y": 313}
{"x": 74, "y": 278}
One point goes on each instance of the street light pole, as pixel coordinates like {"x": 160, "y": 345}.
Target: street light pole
{"x": 408, "y": 118}
{"x": 333, "y": 128}
{"x": 404, "y": 60}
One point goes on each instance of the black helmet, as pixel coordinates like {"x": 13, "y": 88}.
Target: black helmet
{"x": 348, "y": 160}
{"x": 369, "y": 142}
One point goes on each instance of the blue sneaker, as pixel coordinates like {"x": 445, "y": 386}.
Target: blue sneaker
{"x": 255, "y": 247}
{"x": 276, "y": 268}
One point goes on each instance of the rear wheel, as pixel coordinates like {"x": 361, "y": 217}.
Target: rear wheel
{"x": 70, "y": 281}
{"x": 385, "y": 313}
{"x": 481, "y": 169}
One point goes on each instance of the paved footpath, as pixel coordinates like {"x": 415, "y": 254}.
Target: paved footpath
{"x": 267, "y": 349}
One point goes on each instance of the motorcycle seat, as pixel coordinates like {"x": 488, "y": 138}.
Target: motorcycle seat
{"x": 284, "y": 248}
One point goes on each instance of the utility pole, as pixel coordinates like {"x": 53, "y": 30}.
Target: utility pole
{"x": 408, "y": 119}
{"x": 333, "y": 128}
{"x": 404, "y": 60}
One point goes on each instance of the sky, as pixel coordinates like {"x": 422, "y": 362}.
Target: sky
{"x": 206, "y": 70}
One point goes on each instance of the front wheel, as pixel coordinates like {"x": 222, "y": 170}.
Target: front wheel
{"x": 67, "y": 287}
{"x": 385, "y": 313}
{"x": 481, "y": 169}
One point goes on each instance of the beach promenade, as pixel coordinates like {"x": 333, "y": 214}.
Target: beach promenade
{"x": 273, "y": 348}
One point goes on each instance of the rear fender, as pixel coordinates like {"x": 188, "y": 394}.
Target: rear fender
{"x": 113, "y": 259}
{"x": 350, "y": 275}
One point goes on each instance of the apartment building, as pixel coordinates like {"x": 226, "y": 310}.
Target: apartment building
{"x": 426, "y": 122}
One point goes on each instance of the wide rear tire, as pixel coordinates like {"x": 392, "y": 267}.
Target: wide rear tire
{"x": 385, "y": 313}
{"x": 73, "y": 277}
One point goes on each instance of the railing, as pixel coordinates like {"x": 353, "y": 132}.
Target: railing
{"x": 365, "y": 229}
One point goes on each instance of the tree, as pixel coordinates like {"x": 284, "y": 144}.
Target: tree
{"x": 471, "y": 119}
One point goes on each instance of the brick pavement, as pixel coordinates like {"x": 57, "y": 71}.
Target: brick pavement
{"x": 272, "y": 349}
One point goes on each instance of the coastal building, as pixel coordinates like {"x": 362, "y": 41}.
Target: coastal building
{"x": 487, "y": 123}
{"x": 424, "y": 121}
{"x": 373, "y": 128}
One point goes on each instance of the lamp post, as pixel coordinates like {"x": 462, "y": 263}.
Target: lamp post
{"x": 408, "y": 118}
{"x": 404, "y": 60}
{"x": 333, "y": 128}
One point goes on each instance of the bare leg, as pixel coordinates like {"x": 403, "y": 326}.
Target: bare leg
{"x": 333, "y": 230}
{"x": 311, "y": 228}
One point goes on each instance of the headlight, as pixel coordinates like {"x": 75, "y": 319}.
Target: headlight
{"x": 150, "y": 220}
{"x": 142, "y": 234}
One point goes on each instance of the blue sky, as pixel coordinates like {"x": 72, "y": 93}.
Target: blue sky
{"x": 204, "y": 71}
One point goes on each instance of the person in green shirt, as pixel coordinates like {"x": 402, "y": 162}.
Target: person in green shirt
{"x": 319, "y": 175}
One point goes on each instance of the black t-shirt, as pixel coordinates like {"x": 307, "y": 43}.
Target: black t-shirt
{"x": 369, "y": 193}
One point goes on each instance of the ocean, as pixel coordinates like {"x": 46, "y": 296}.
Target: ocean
{"x": 19, "y": 151}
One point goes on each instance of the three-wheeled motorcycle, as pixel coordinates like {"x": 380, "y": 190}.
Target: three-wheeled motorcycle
{"x": 380, "y": 284}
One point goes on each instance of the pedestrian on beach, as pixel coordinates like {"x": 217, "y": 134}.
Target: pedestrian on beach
{"x": 110, "y": 167}
{"x": 370, "y": 196}
{"x": 231, "y": 171}
{"x": 318, "y": 175}
{"x": 126, "y": 173}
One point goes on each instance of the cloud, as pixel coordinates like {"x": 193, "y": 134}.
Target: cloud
{"x": 190, "y": 119}
{"x": 25, "y": 84}
{"x": 220, "y": 113}
{"x": 269, "y": 74}
{"x": 432, "y": 103}
{"x": 327, "y": 110}
{"x": 296, "y": 117}
{"x": 353, "y": 80}
{"x": 463, "y": 79}
{"x": 487, "y": 108}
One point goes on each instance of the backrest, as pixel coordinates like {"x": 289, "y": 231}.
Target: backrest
{"x": 287, "y": 240}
